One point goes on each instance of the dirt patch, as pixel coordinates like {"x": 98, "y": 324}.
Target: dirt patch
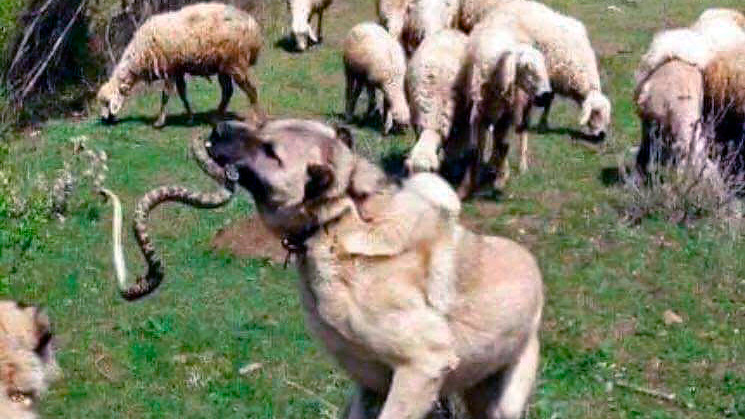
{"x": 249, "y": 238}
{"x": 480, "y": 219}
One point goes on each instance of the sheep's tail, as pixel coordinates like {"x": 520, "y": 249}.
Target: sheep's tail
{"x": 155, "y": 272}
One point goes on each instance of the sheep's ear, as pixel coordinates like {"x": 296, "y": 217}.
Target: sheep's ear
{"x": 508, "y": 71}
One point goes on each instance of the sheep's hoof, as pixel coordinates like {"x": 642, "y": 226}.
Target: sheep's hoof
{"x": 159, "y": 124}
{"x": 501, "y": 181}
{"x": 523, "y": 166}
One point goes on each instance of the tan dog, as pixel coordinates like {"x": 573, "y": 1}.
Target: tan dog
{"x": 411, "y": 304}
{"x": 27, "y": 361}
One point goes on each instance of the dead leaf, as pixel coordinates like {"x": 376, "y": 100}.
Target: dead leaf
{"x": 250, "y": 368}
{"x": 671, "y": 317}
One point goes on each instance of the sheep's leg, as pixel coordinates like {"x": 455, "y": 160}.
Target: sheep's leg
{"x": 354, "y": 86}
{"x": 387, "y": 116}
{"x": 161, "y": 121}
{"x": 522, "y": 111}
{"x": 371, "y": 105}
{"x": 475, "y": 150}
{"x": 500, "y": 151}
{"x": 181, "y": 88}
{"x": 523, "y": 151}
{"x": 320, "y": 26}
{"x": 226, "y": 85}
{"x": 543, "y": 123}
{"x": 311, "y": 33}
{"x": 246, "y": 82}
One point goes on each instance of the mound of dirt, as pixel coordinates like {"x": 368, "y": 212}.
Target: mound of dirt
{"x": 249, "y": 238}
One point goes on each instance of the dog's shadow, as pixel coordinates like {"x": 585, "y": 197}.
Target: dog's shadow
{"x": 210, "y": 118}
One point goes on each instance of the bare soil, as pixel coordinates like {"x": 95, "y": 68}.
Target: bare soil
{"x": 249, "y": 238}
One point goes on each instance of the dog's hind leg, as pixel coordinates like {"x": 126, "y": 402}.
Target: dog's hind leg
{"x": 505, "y": 394}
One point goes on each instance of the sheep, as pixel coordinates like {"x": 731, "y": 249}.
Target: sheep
{"x": 435, "y": 85}
{"x": 571, "y": 61}
{"x": 714, "y": 31}
{"x": 669, "y": 98}
{"x": 721, "y": 28}
{"x": 724, "y": 90}
{"x": 473, "y": 11}
{"x": 202, "y": 39}
{"x": 301, "y": 12}
{"x": 502, "y": 73}
{"x": 373, "y": 59}
{"x": 428, "y": 17}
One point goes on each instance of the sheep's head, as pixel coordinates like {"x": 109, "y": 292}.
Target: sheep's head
{"x": 111, "y": 98}
{"x": 596, "y": 114}
{"x": 531, "y": 72}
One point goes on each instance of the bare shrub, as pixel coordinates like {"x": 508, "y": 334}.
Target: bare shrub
{"x": 682, "y": 190}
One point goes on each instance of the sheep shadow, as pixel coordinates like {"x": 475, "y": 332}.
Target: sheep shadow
{"x": 452, "y": 170}
{"x": 611, "y": 176}
{"x": 199, "y": 119}
{"x": 287, "y": 44}
{"x": 573, "y": 134}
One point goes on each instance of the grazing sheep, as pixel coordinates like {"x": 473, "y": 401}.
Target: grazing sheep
{"x": 202, "y": 39}
{"x": 473, "y": 11}
{"x": 721, "y": 28}
{"x": 393, "y": 15}
{"x": 499, "y": 67}
{"x": 425, "y": 18}
{"x": 301, "y": 12}
{"x": 373, "y": 59}
{"x": 724, "y": 90}
{"x": 669, "y": 98}
{"x": 435, "y": 85}
{"x": 410, "y": 21}
{"x": 569, "y": 56}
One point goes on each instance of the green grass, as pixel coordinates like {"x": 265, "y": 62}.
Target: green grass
{"x": 177, "y": 354}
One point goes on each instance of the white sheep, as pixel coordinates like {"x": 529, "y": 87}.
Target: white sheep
{"x": 301, "y": 13}
{"x": 428, "y": 17}
{"x": 473, "y": 11}
{"x": 373, "y": 59}
{"x": 670, "y": 104}
{"x": 202, "y": 39}
{"x": 571, "y": 61}
{"x": 714, "y": 31}
{"x": 500, "y": 71}
{"x": 724, "y": 90}
{"x": 393, "y": 15}
{"x": 435, "y": 85}
{"x": 721, "y": 28}
{"x": 412, "y": 21}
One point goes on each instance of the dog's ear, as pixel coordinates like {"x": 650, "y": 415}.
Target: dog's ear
{"x": 320, "y": 179}
{"x": 345, "y": 135}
